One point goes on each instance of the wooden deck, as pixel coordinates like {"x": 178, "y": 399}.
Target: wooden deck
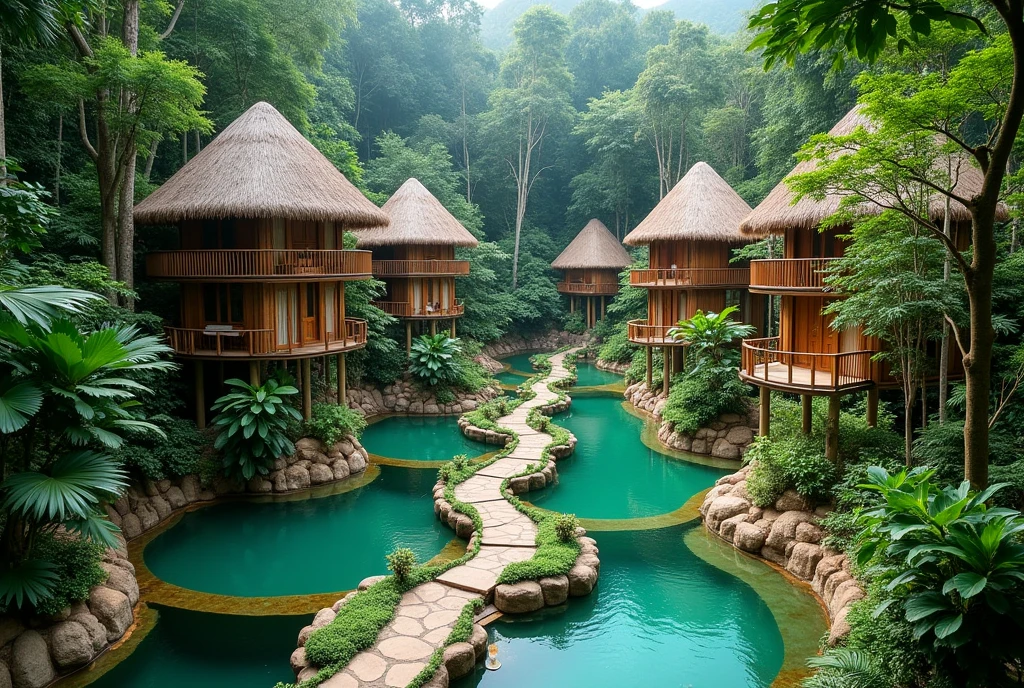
{"x": 639, "y": 332}
{"x": 792, "y": 378}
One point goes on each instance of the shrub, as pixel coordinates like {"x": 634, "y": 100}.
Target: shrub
{"x": 433, "y": 360}
{"x": 575, "y": 323}
{"x": 175, "y": 454}
{"x": 253, "y": 422}
{"x": 617, "y": 348}
{"x": 565, "y": 526}
{"x": 444, "y": 395}
{"x": 329, "y": 423}
{"x": 76, "y": 564}
{"x": 700, "y": 397}
{"x": 401, "y": 563}
{"x": 460, "y": 462}
{"x": 790, "y": 462}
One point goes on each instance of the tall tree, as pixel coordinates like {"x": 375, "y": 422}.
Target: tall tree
{"x": 532, "y": 104}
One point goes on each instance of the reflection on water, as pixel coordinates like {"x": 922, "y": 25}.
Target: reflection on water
{"x": 612, "y": 474}
{"x": 419, "y": 438}
{"x": 589, "y": 375}
{"x": 659, "y": 616}
{"x": 301, "y": 547}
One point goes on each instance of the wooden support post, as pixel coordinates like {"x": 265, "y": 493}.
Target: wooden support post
{"x": 666, "y": 368}
{"x": 307, "y": 389}
{"x": 254, "y": 373}
{"x": 832, "y": 430}
{"x": 572, "y": 303}
{"x": 342, "y": 381}
{"x": 764, "y": 415}
{"x": 433, "y": 327}
{"x": 452, "y": 334}
{"x": 602, "y": 308}
{"x": 650, "y": 357}
{"x": 408, "y": 337}
{"x": 872, "y": 412}
{"x": 805, "y": 410}
{"x": 200, "y": 397}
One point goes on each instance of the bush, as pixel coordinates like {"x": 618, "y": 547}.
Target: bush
{"x": 329, "y": 423}
{"x": 698, "y": 398}
{"x": 433, "y": 359}
{"x": 790, "y": 462}
{"x": 77, "y": 566}
{"x": 576, "y": 323}
{"x": 176, "y": 454}
{"x": 444, "y": 395}
{"x": 565, "y": 526}
{"x": 253, "y": 423}
{"x": 401, "y": 562}
{"x": 617, "y": 348}
{"x": 637, "y": 371}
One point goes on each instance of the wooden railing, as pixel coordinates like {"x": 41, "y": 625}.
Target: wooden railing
{"x": 588, "y": 288}
{"x": 790, "y": 274}
{"x": 400, "y": 268}
{"x": 258, "y": 263}
{"x": 256, "y": 343}
{"x": 763, "y": 362}
{"x": 404, "y": 309}
{"x": 690, "y": 277}
{"x": 639, "y": 332}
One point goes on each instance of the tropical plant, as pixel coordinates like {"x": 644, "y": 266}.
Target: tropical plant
{"x": 708, "y": 336}
{"x": 401, "y": 562}
{"x": 846, "y": 668}
{"x": 955, "y": 565}
{"x": 565, "y": 526}
{"x": 433, "y": 359}
{"x": 253, "y": 424}
{"x": 329, "y": 423}
{"x": 702, "y": 395}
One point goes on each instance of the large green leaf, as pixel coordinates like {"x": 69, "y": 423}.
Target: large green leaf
{"x": 17, "y": 404}
{"x": 30, "y": 580}
{"x": 75, "y": 484}
{"x": 40, "y": 305}
{"x": 924, "y": 604}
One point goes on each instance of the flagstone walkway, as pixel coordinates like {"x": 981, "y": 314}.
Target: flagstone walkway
{"x": 428, "y": 612}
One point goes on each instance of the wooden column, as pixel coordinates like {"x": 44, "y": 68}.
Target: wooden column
{"x": 764, "y": 413}
{"x": 254, "y": 373}
{"x": 342, "y": 381}
{"x": 666, "y": 368}
{"x": 408, "y": 337}
{"x": 307, "y": 389}
{"x": 200, "y": 397}
{"x": 872, "y": 411}
{"x": 602, "y": 308}
{"x": 805, "y": 410}
{"x": 650, "y": 357}
{"x": 453, "y": 329}
{"x": 832, "y": 430}
{"x": 433, "y": 327}
{"x": 572, "y": 303}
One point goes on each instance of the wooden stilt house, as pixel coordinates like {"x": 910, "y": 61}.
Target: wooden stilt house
{"x": 591, "y": 264}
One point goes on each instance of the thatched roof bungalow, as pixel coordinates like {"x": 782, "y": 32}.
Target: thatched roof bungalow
{"x": 591, "y": 263}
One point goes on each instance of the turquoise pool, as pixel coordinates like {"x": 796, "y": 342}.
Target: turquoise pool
{"x": 420, "y": 438}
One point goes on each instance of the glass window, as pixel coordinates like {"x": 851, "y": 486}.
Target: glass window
{"x": 733, "y": 297}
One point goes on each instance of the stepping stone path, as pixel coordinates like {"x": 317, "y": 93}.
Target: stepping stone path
{"x": 428, "y": 612}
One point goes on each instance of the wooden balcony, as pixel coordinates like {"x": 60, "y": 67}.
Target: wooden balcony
{"x": 639, "y": 332}
{"x": 690, "y": 278}
{"x": 211, "y": 343}
{"x": 588, "y": 288}
{"x": 234, "y": 265}
{"x": 764, "y": 365}
{"x": 404, "y": 309}
{"x": 420, "y": 268}
{"x": 789, "y": 275}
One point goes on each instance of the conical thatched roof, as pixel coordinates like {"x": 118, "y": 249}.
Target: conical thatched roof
{"x": 593, "y": 247}
{"x": 701, "y": 206}
{"x": 417, "y": 217}
{"x": 259, "y": 167}
{"x": 777, "y": 211}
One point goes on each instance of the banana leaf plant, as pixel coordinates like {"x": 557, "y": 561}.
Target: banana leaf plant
{"x": 432, "y": 359}
{"x": 253, "y": 423}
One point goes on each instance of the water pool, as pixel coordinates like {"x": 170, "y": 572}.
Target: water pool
{"x": 657, "y": 607}
{"x": 202, "y": 650}
{"x": 420, "y": 438}
{"x": 520, "y": 362}
{"x": 252, "y": 549}
{"x": 589, "y": 375}
{"x": 612, "y": 475}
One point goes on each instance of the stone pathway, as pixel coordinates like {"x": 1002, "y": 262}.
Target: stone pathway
{"x": 428, "y": 612}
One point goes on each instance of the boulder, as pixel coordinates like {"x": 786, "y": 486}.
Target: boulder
{"x": 803, "y": 560}
{"x": 279, "y": 481}
{"x": 163, "y": 509}
{"x": 323, "y": 617}
{"x": 518, "y": 598}
{"x": 724, "y": 449}
{"x": 10, "y": 628}
{"x": 344, "y": 447}
{"x": 296, "y": 477}
{"x": 728, "y": 527}
{"x": 121, "y": 580}
{"x": 784, "y": 528}
{"x": 5, "y": 676}
{"x": 147, "y": 516}
{"x": 371, "y": 580}
{"x": 825, "y": 568}
{"x": 340, "y": 469}
{"x": 748, "y": 537}
{"x": 70, "y": 645}
{"x": 478, "y": 639}
{"x": 740, "y": 435}
{"x": 846, "y": 594}
{"x": 320, "y": 474}
{"x": 840, "y": 627}
{"x": 439, "y": 679}
{"x": 459, "y": 659}
{"x": 30, "y": 661}
{"x": 97, "y": 633}
{"x": 809, "y": 532}
{"x": 131, "y": 526}
{"x": 298, "y": 660}
{"x": 304, "y": 634}
{"x": 555, "y": 589}
{"x": 725, "y": 507}
{"x": 175, "y": 497}
{"x": 582, "y": 580}
{"x": 112, "y": 609}
{"x": 791, "y": 500}
{"x": 259, "y": 485}
{"x": 357, "y": 462}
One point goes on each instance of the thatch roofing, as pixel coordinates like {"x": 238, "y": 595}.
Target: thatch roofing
{"x": 777, "y": 212}
{"x": 593, "y": 248}
{"x": 417, "y": 218}
{"x": 260, "y": 166}
{"x": 702, "y": 206}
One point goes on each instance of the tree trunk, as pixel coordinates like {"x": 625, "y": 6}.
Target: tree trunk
{"x": 60, "y": 158}
{"x": 944, "y": 351}
{"x": 150, "y": 160}
{"x": 126, "y": 230}
{"x": 978, "y": 361}
{"x": 3, "y": 128}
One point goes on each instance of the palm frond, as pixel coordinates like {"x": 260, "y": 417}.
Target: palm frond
{"x": 40, "y": 305}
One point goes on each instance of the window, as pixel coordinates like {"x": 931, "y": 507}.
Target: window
{"x": 733, "y": 297}
{"x": 222, "y": 303}
{"x": 218, "y": 234}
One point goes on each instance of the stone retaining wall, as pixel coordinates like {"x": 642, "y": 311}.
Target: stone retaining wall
{"x": 512, "y": 344}
{"x": 726, "y": 438}
{"x": 501, "y": 439}
{"x": 404, "y": 396}
{"x": 787, "y": 535}
{"x": 612, "y": 366}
